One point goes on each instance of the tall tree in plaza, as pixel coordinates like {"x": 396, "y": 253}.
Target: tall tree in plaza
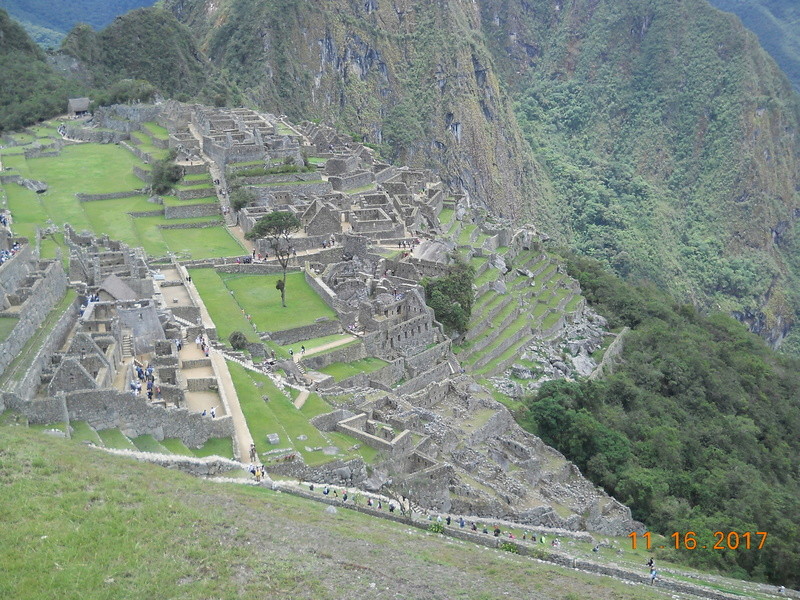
{"x": 278, "y": 228}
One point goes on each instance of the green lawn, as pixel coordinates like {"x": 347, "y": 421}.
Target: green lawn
{"x": 147, "y": 443}
{"x": 7, "y": 325}
{"x": 280, "y": 416}
{"x": 341, "y": 371}
{"x": 205, "y": 242}
{"x": 256, "y": 294}
{"x": 224, "y": 311}
{"x": 113, "y": 438}
{"x": 83, "y": 432}
{"x": 156, "y": 130}
{"x": 216, "y": 447}
{"x": 176, "y": 446}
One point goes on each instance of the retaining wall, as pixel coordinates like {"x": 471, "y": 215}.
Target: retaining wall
{"x": 306, "y": 332}
{"x": 134, "y": 416}
{"x": 191, "y": 210}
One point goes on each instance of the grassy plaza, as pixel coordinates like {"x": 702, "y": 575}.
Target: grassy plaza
{"x": 102, "y": 169}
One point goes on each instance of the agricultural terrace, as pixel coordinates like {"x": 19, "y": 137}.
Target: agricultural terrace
{"x": 102, "y": 169}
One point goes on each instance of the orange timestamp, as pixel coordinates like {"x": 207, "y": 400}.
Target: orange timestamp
{"x": 725, "y": 540}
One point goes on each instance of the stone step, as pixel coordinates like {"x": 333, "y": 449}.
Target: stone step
{"x": 492, "y": 331}
{"x": 513, "y": 333}
{"x": 505, "y": 360}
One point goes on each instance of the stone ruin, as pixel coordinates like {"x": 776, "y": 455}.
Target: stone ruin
{"x": 370, "y": 233}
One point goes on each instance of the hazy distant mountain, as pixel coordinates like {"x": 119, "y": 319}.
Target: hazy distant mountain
{"x": 48, "y": 21}
{"x": 777, "y": 25}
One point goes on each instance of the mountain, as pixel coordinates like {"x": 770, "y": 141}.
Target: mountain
{"x": 144, "y": 44}
{"x": 31, "y": 89}
{"x": 775, "y": 22}
{"x": 413, "y": 78}
{"x": 671, "y": 139}
{"x": 47, "y": 21}
{"x": 661, "y": 138}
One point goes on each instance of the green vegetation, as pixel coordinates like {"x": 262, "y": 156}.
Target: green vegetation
{"x": 451, "y": 297}
{"x": 31, "y": 90}
{"x": 644, "y": 133}
{"x": 775, "y": 24}
{"x": 165, "y": 174}
{"x": 279, "y": 415}
{"x": 277, "y": 227}
{"x": 230, "y": 297}
{"x": 114, "y": 438}
{"x": 60, "y": 16}
{"x": 696, "y": 429}
{"x": 123, "y": 529}
{"x": 148, "y": 44}
{"x": 340, "y": 371}
{"x": 216, "y": 447}
{"x": 7, "y": 325}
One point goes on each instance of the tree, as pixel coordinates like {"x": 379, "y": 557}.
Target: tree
{"x": 238, "y": 340}
{"x": 277, "y": 227}
{"x": 242, "y": 197}
{"x": 451, "y": 296}
{"x": 165, "y": 174}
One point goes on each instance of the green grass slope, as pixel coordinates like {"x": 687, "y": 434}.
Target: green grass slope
{"x": 84, "y": 525}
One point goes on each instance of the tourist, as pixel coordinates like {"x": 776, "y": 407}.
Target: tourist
{"x": 473, "y": 527}
{"x": 448, "y": 519}
{"x": 496, "y": 531}
{"x": 213, "y": 412}
{"x": 253, "y": 453}
{"x": 302, "y": 350}
{"x": 461, "y": 522}
{"x": 344, "y": 495}
{"x": 380, "y": 505}
{"x": 391, "y": 507}
{"x": 485, "y": 530}
{"x": 653, "y": 576}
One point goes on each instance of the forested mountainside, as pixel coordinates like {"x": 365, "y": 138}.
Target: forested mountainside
{"x": 149, "y": 44}
{"x": 31, "y": 90}
{"x": 672, "y": 141}
{"x": 696, "y": 430}
{"x": 777, "y": 24}
{"x": 48, "y": 21}
{"x": 663, "y": 139}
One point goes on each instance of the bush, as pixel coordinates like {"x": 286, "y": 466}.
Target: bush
{"x": 509, "y": 547}
{"x": 242, "y": 197}
{"x": 451, "y": 297}
{"x": 436, "y": 527}
{"x": 165, "y": 174}
{"x": 238, "y": 340}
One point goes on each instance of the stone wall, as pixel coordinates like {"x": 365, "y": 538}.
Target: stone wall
{"x": 191, "y": 210}
{"x": 316, "y": 188}
{"x": 27, "y": 387}
{"x": 351, "y": 181}
{"x": 45, "y": 293}
{"x": 306, "y": 332}
{"x": 437, "y": 373}
{"x": 311, "y": 176}
{"x": 134, "y": 416}
{"x": 195, "y": 193}
{"x": 344, "y": 354}
{"x": 207, "y": 466}
{"x": 14, "y": 271}
{"x": 254, "y": 269}
{"x": 110, "y": 196}
{"x": 95, "y": 135}
{"x": 423, "y": 360}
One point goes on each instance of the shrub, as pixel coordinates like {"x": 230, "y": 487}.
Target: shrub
{"x": 509, "y": 547}
{"x": 436, "y": 527}
{"x": 238, "y": 340}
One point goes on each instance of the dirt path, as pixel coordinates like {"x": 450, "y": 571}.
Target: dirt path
{"x": 301, "y": 399}
{"x": 324, "y": 347}
{"x": 241, "y": 432}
